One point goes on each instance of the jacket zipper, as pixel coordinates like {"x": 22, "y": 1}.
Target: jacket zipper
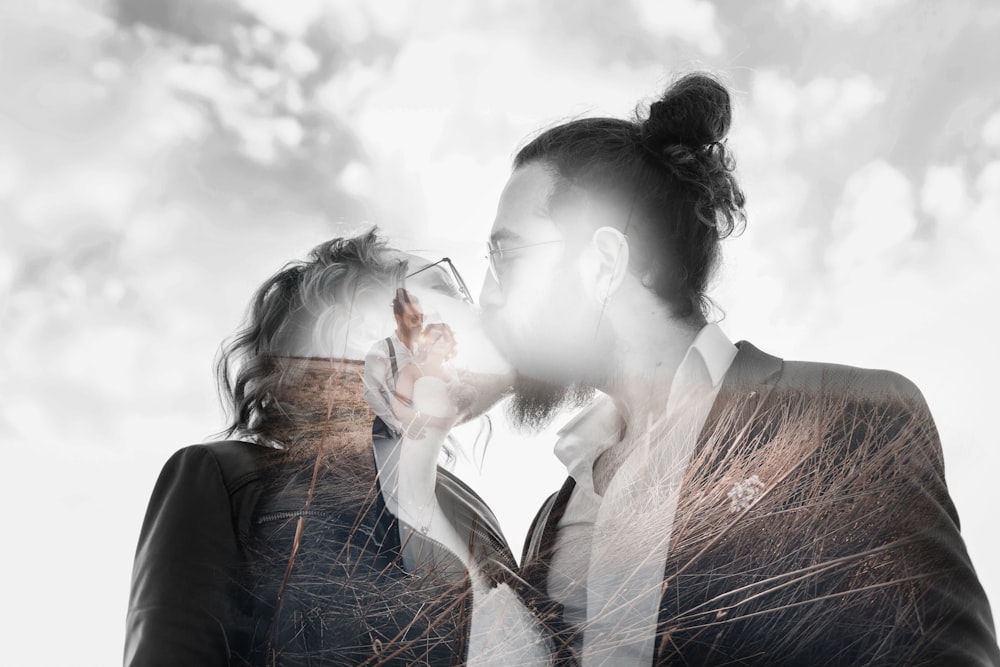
{"x": 286, "y": 514}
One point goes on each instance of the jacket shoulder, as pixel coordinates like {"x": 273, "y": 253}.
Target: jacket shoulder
{"x": 239, "y": 462}
{"x": 864, "y": 383}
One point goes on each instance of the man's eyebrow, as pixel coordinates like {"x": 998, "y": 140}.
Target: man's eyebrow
{"x": 504, "y": 234}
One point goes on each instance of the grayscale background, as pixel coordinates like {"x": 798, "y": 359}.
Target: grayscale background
{"x": 159, "y": 159}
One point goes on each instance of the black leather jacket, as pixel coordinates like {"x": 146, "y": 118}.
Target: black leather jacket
{"x": 225, "y": 575}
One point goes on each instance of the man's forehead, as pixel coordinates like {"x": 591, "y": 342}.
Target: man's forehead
{"x": 523, "y": 210}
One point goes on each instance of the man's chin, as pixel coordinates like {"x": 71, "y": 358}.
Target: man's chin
{"x": 536, "y": 403}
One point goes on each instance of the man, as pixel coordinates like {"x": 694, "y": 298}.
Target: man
{"x": 723, "y": 506}
{"x": 386, "y": 357}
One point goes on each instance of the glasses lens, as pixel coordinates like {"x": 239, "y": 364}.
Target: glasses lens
{"x": 494, "y": 255}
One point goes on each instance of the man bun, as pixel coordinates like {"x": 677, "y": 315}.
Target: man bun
{"x": 694, "y": 112}
{"x": 685, "y": 134}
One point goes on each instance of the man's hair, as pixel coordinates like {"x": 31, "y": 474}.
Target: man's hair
{"x": 674, "y": 174}
{"x": 304, "y": 301}
{"x": 402, "y": 298}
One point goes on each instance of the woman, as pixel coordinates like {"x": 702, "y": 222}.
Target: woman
{"x": 278, "y": 548}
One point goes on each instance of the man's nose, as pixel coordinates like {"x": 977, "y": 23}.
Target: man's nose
{"x": 490, "y": 295}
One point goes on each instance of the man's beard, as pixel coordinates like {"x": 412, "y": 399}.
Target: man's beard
{"x": 535, "y": 403}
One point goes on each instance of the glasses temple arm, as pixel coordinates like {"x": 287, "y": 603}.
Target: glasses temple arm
{"x": 455, "y": 274}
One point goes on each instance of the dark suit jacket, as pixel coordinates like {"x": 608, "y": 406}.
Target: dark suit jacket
{"x": 850, "y": 553}
{"x": 215, "y": 581}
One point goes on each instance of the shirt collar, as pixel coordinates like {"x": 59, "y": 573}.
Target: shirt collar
{"x": 588, "y": 433}
{"x": 715, "y": 349}
{"x": 595, "y": 429}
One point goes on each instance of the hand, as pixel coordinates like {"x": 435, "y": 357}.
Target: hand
{"x": 485, "y": 390}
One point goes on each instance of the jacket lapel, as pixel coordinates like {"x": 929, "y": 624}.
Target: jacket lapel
{"x": 750, "y": 378}
{"x": 541, "y": 537}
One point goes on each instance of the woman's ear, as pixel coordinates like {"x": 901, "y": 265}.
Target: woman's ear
{"x": 604, "y": 263}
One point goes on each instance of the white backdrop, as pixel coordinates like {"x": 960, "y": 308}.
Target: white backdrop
{"x": 160, "y": 159}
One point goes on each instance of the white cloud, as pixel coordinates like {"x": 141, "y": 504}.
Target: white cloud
{"x": 830, "y": 106}
{"x": 292, "y": 18}
{"x": 945, "y": 196}
{"x": 8, "y": 267}
{"x": 783, "y": 115}
{"x": 984, "y": 221}
{"x": 991, "y": 131}
{"x": 9, "y": 176}
{"x": 847, "y": 11}
{"x": 356, "y": 179}
{"x": 692, "y": 21}
{"x": 299, "y": 58}
{"x": 875, "y": 218}
{"x": 988, "y": 181}
{"x": 396, "y": 17}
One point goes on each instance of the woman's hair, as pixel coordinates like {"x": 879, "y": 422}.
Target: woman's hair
{"x": 304, "y": 301}
{"x": 674, "y": 173}
{"x": 443, "y": 331}
{"x": 400, "y": 301}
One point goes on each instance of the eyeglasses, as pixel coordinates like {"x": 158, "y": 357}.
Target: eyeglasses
{"x": 456, "y": 277}
{"x": 495, "y": 255}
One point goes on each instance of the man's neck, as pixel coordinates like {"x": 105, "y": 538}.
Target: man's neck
{"x": 405, "y": 340}
{"x": 648, "y": 353}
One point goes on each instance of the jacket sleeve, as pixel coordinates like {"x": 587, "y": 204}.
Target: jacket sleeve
{"x": 954, "y": 600}
{"x": 180, "y": 600}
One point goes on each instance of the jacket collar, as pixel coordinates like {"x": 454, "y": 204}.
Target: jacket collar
{"x": 749, "y": 377}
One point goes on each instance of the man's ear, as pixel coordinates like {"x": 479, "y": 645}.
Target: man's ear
{"x": 604, "y": 263}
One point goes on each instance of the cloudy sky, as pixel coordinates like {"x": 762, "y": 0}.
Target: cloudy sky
{"x": 160, "y": 159}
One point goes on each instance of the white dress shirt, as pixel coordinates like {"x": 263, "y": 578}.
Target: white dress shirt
{"x": 380, "y": 383}
{"x": 612, "y": 541}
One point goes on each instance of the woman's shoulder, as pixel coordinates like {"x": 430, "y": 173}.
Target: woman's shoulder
{"x": 234, "y": 459}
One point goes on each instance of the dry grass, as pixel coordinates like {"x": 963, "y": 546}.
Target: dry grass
{"x": 323, "y": 403}
{"x": 831, "y": 558}
{"x": 803, "y": 536}
{"x": 323, "y": 583}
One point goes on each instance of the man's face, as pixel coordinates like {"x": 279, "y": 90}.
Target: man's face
{"x": 534, "y": 309}
{"x": 411, "y": 321}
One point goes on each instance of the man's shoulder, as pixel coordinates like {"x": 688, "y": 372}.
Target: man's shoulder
{"x": 378, "y": 350}
{"x": 825, "y": 377}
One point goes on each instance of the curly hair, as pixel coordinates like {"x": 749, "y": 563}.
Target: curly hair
{"x": 443, "y": 330}
{"x": 676, "y": 175}
{"x": 304, "y": 301}
{"x": 402, "y": 299}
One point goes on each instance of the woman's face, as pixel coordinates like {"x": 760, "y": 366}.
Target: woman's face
{"x": 437, "y": 342}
